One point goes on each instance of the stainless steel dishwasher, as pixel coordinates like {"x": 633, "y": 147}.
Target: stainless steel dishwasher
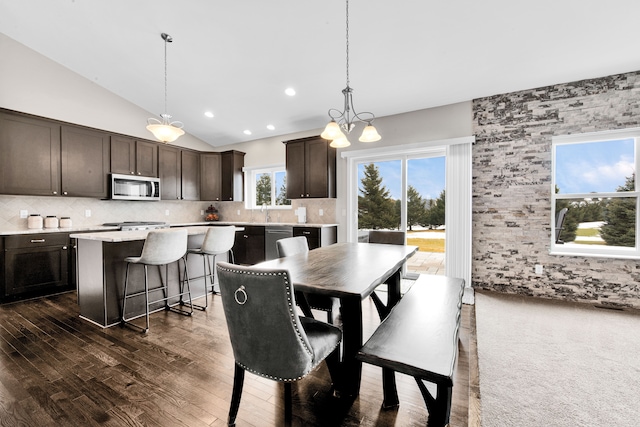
{"x": 273, "y": 233}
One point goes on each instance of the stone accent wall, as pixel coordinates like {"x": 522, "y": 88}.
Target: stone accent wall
{"x": 512, "y": 190}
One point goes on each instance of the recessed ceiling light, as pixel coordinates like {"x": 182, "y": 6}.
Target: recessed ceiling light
{"x": 271, "y": 127}
{"x": 247, "y": 132}
{"x": 208, "y": 114}
{"x": 290, "y": 91}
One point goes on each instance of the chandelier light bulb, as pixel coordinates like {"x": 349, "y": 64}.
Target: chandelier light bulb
{"x": 340, "y": 142}
{"x": 369, "y": 134}
{"x": 331, "y": 131}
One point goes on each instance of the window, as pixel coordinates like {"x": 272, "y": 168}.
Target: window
{"x": 267, "y": 186}
{"x": 594, "y": 178}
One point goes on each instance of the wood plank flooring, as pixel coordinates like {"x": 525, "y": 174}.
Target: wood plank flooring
{"x": 59, "y": 370}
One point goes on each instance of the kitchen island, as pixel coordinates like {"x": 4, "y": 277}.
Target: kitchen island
{"x": 101, "y": 272}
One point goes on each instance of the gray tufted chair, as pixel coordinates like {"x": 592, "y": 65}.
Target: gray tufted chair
{"x": 161, "y": 247}
{"x": 387, "y": 237}
{"x": 267, "y": 335}
{"x": 217, "y": 241}
{"x": 299, "y": 245}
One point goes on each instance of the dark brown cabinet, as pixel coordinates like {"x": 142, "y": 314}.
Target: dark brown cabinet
{"x": 210, "y": 176}
{"x": 317, "y": 236}
{"x": 232, "y": 176}
{"x": 30, "y": 160}
{"x": 179, "y": 172}
{"x": 311, "y": 168}
{"x": 169, "y": 172}
{"x": 248, "y": 248}
{"x": 133, "y": 157}
{"x": 84, "y": 162}
{"x": 190, "y": 175}
{"x": 35, "y": 265}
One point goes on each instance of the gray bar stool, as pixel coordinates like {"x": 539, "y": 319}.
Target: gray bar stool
{"x": 219, "y": 240}
{"x": 161, "y": 247}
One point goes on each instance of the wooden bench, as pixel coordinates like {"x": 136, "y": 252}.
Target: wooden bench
{"x": 419, "y": 337}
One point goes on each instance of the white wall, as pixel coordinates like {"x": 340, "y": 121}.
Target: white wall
{"x": 31, "y": 83}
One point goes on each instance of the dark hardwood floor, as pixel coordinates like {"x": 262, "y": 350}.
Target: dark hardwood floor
{"x": 59, "y": 370}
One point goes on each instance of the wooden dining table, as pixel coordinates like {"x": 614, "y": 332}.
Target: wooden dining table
{"x": 351, "y": 272}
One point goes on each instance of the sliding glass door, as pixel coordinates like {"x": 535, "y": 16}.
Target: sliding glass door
{"x": 407, "y": 193}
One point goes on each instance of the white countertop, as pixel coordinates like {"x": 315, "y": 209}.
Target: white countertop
{"x": 261, "y": 224}
{"x": 130, "y": 236}
{"x": 101, "y": 228}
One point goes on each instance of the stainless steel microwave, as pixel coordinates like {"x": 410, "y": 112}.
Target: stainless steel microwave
{"x": 131, "y": 187}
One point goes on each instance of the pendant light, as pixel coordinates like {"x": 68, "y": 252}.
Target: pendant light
{"x": 343, "y": 122}
{"x": 165, "y": 130}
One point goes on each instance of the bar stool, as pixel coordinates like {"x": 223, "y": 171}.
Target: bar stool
{"x": 161, "y": 247}
{"x": 218, "y": 241}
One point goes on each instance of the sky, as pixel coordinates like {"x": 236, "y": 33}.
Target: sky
{"x": 595, "y": 166}
{"x": 426, "y": 175}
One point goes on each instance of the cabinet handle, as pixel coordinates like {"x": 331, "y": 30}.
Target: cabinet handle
{"x": 245, "y": 236}
{"x": 306, "y": 232}
{"x": 139, "y": 173}
{"x": 64, "y": 248}
{"x": 65, "y": 193}
{"x": 37, "y": 240}
{"x": 55, "y": 192}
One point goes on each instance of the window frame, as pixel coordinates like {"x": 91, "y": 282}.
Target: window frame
{"x": 250, "y": 185}
{"x": 595, "y": 250}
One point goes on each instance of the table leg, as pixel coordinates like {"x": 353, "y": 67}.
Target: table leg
{"x": 351, "y": 369}
{"x": 388, "y": 375}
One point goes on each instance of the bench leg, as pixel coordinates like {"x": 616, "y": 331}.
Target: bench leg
{"x": 389, "y": 389}
{"x": 440, "y": 407}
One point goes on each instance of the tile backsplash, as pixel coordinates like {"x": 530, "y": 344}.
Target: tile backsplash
{"x": 176, "y": 212}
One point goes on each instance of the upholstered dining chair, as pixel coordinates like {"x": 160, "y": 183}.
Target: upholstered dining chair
{"x": 267, "y": 335}
{"x": 388, "y": 237}
{"x": 218, "y": 240}
{"x": 299, "y": 245}
{"x": 161, "y": 247}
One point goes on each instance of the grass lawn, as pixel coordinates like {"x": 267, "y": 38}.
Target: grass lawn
{"x": 427, "y": 245}
{"x": 587, "y": 232}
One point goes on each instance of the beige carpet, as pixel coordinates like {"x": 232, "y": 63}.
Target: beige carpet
{"x": 545, "y": 363}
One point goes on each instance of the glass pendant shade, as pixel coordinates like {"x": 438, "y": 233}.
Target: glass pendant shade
{"x": 165, "y": 130}
{"x": 331, "y": 131}
{"x": 165, "y": 133}
{"x": 340, "y": 142}
{"x": 369, "y": 134}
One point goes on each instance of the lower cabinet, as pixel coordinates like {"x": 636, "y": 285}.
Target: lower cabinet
{"x": 317, "y": 236}
{"x": 248, "y": 248}
{"x": 35, "y": 265}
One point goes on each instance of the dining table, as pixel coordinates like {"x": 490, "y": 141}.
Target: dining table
{"x": 350, "y": 272}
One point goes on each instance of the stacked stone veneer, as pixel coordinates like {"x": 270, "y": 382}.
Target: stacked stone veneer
{"x": 512, "y": 190}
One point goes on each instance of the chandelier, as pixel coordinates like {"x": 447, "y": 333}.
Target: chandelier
{"x": 165, "y": 130}
{"x": 345, "y": 120}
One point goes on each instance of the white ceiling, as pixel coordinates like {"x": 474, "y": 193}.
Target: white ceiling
{"x": 235, "y": 58}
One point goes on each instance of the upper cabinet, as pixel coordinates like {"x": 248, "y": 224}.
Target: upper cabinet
{"x": 30, "y": 160}
{"x": 232, "y": 177}
{"x": 84, "y": 162}
{"x": 311, "y": 168}
{"x": 190, "y": 175}
{"x": 179, "y": 172}
{"x": 43, "y": 157}
{"x": 133, "y": 157}
{"x": 210, "y": 176}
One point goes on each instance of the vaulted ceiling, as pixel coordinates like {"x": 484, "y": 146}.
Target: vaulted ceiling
{"x": 236, "y": 58}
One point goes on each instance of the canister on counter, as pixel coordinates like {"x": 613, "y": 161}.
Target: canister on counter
{"x": 65, "y": 222}
{"x": 51, "y": 221}
{"x": 34, "y": 221}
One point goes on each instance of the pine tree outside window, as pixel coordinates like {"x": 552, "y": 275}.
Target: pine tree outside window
{"x": 594, "y": 177}
{"x": 267, "y": 186}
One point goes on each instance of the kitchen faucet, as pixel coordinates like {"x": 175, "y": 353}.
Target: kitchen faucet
{"x": 265, "y": 209}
